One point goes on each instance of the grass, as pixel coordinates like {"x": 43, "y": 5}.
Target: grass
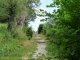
{"x": 15, "y": 48}
{"x": 3, "y": 24}
{"x": 49, "y": 54}
{"x": 41, "y": 58}
{"x": 24, "y": 49}
{"x": 42, "y": 36}
{"x": 29, "y": 47}
{"x": 11, "y": 58}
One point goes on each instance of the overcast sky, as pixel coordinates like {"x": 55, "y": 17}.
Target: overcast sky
{"x": 36, "y": 23}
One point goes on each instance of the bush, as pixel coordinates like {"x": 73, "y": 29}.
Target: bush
{"x": 18, "y": 34}
{"x": 29, "y": 32}
{"x": 40, "y": 28}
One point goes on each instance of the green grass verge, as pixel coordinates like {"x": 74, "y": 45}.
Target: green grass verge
{"x": 15, "y": 45}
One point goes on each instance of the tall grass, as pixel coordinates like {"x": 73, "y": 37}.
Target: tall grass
{"x": 14, "y": 45}
{"x": 9, "y": 41}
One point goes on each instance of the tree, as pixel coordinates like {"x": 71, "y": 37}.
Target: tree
{"x": 14, "y": 8}
{"x": 40, "y": 28}
{"x": 11, "y": 9}
{"x": 29, "y": 32}
{"x": 66, "y": 45}
{"x": 31, "y": 5}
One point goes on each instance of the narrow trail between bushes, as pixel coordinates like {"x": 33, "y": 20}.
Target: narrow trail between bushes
{"x": 41, "y": 45}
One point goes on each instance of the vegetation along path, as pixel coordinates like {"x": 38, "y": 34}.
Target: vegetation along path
{"x": 41, "y": 45}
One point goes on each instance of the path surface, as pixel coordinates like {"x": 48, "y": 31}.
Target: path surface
{"x": 40, "y": 49}
{"x": 41, "y": 45}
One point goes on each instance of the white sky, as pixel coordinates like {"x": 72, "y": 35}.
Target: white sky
{"x": 36, "y": 23}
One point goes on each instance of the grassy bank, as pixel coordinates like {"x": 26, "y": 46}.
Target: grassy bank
{"x": 15, "y": 45}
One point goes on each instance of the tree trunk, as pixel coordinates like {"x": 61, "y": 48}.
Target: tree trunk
{"x": 9, "y": 27}
{"x": 10, "y": 20}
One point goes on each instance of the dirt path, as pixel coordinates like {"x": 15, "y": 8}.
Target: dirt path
{"x": 40, "y": 49}
{"x": 41, "y": 45}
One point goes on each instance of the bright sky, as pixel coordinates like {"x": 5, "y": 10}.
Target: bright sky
{"x": 36, "y": 23}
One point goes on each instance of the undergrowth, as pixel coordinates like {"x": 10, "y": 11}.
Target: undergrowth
{"x": 14, "y": 45}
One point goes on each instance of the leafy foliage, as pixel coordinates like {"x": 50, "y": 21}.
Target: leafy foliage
{"x": 29, "y": 32}
{"x": 66, "y": 43}
{"x": 40, "y": 28}
{"x": 31, "y": 5}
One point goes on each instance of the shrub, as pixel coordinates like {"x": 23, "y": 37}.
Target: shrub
{"x": 29, "y": 32}
{"x": 40, "y": 28}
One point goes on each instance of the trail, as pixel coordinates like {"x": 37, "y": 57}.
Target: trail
{"x": 41, "y": 45}
{"x": 40, "y": 49}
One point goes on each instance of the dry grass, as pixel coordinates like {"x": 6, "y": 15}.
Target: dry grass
{"x": 29, "y": 47}
{"x": 26, "y": 50}
{"x": 42, "y": 36}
